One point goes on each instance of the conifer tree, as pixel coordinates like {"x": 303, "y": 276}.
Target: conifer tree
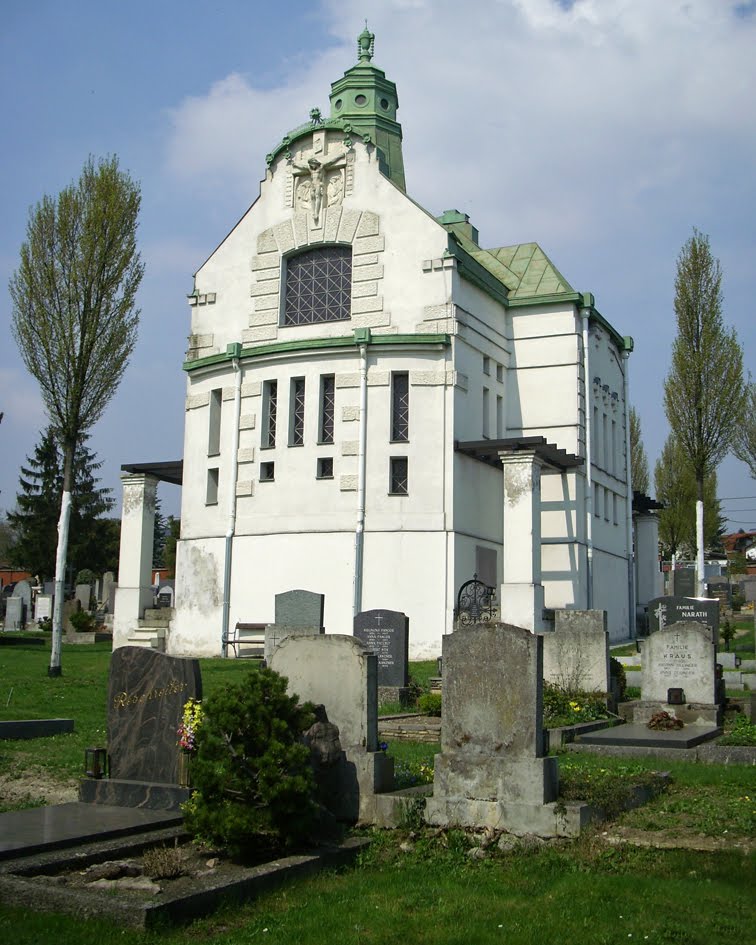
{"x": 745, "y": 437}
{"x": 638, "y": 458}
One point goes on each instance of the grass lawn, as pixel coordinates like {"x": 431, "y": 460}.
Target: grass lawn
{"x": 423, "y": 887}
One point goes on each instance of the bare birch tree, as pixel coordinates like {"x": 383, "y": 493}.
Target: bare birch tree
{"x": 74, "y": 316}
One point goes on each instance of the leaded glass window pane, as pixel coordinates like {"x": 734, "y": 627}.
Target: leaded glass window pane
{"x": 297, "y": 411}
{"x": 318, "y": 286}
{"x": 400, "y": 407}
{"x": 399, "y": 484}
{"x": 327, "y": 407}
{"x": 270, "y": 413}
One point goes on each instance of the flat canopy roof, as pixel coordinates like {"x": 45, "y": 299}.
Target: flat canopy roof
{"x": 172, "y": 471}
{"x": 487, "y": 451}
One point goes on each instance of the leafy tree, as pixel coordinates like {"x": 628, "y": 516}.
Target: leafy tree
{"x": 158, "y": 536}
{"x": 35, "y": 520}
{"x": 745, "y": 437}
{"x": 704, "y": 393}
{"x": 638, "y": 458}
{"x": 173, "y": 533}
{"x": 675, "y": 486}
{"x": 252, "y": 778}
{"x": 74, "y": 316}
{"x": 6, "y": 540}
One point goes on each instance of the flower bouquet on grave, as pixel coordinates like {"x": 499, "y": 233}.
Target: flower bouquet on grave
{"x": 191, "y": 720}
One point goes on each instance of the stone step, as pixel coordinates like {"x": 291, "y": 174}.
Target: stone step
{"x": 148, "y": 637}
{"x": 153, "y": 621}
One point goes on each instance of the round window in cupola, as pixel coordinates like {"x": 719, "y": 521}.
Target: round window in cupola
{"x": 338, "y": 103}
{"x": 360, "y": 99}
{"x": 385, "y": 104}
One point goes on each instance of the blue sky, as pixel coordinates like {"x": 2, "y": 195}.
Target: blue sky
{"x": 605, "y": 130}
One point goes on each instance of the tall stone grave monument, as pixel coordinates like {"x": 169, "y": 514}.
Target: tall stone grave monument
{"x": 339, "y": 673}
{"x": 298, "y": 613}
{"x": 492, "y": 771}
{"x": 386, "y": 633}
{"x": 679, "y": 657}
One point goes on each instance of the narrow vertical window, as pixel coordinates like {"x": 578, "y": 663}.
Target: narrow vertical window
{"x": 605, "y": 439}
{"x": 400, "y": 407}
{"x": 269, "y": 406}
{"x": 327, "y": 408}
{"x": 486, "y": 365}
{"x": 595, "y": 438}
{"x": 500, "y": 373}
{"x": 398, "y": 476}
{"x": 486, "y": 413}
{"x": 297, "y": 411}
{"x": 211, "y": 495}
{"x": 214, "y": 423}
{"x": 607, "y": 503}
{"x": 614, "y": 463}
{"x": 499, "y": 418}
{"x": 596, "y": 499}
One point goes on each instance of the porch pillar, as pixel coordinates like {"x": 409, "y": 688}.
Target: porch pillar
{"x": 134, "y": 590}
{"x": 521, "y": 595}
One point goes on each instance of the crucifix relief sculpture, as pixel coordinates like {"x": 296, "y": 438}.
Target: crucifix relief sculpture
{"x": 315, "y": 184}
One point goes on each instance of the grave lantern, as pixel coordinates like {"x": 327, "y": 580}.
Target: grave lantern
{"x": 96, "y": 762}
{"x": 675, "y": 697}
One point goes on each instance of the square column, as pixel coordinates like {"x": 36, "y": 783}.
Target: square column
{"x": 134, "y": 590}
{"x": 521, "y": 595}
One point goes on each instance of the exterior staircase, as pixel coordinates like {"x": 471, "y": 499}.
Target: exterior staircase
{"x": 152, "y": 629}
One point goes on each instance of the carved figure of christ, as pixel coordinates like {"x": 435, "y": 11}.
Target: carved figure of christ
{"x": 315, "y": 170}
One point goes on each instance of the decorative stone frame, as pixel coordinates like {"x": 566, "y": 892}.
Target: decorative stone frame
{"x": 359, "y": 229}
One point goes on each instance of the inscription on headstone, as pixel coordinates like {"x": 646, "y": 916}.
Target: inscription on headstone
{"x": 684, "y": 582}
{"x": 663, "y": 611}
{"x": 146, "y": 696}
{"x": 43, "y": 607}
{"x": 679, "y": 656}
{"x": 386, "y": 633}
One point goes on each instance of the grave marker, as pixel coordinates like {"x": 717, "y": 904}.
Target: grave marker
{"x": 146, "y": 696}
{"x": 298, "y": 613}
{"x": 14, "y": 614}
{"x": 386, "y": 633}
{"x": 664, "y": 611}
{"x": 680, "y": 656}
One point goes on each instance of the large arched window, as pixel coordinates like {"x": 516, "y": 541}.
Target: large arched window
{"x": 318, "y": 286}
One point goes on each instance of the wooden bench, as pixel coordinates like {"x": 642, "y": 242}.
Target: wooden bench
{"x": 249, "y": 636}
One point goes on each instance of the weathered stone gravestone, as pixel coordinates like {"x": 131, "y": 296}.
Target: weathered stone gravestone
{"x": 43, "y": 607}
{"x": 680, "y": 656}
{"x": 70, "y": 607}
{"x": 663, "y": 611}
{"x": 83, "y": 595}
{"x": 492, "y": 771}
{"x": 23, "y": 593}
{"x": 14, "y": 614}
{"x": 146, "y": 696}
{"x": 576, "y": 654}
{"x": 386, "y": 633}
{"x": 339, "y": 673}
{"x": 298, "y": 613}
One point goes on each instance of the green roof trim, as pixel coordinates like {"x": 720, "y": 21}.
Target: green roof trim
{"x": 316, "y": 344}
{"x": 469, "y": 267}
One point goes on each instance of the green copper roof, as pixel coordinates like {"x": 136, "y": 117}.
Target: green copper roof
{"x": 535, "y": 272}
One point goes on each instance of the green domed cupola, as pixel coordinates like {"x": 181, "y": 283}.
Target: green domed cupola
{"x": 367, "y": 100}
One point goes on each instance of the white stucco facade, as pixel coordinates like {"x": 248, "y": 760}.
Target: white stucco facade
{"x": 489, "y": 346}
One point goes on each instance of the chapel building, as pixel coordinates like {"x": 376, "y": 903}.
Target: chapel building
{"x": 378, "y": 408}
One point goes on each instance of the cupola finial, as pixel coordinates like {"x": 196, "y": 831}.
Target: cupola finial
{"x": 365, "y": 45}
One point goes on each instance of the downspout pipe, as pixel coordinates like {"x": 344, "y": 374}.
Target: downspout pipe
{"x": 585, "y": 314}
{"x": 362, "y": 338}
{"x": 629, "y": 503}
{"x": 235, "y": 351}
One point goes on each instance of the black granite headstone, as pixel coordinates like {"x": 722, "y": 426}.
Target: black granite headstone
{"x": 146, "y": 696}
{"x": 663, "y": 611}
{"x": 386, "y": 633}
{"x": 684, "y": 582}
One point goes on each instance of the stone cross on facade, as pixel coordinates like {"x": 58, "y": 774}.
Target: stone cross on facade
{"x": 313, "y": 173}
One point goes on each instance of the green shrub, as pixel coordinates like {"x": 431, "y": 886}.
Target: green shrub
{"x": 82, "y": 621}
{"x": 253, "y": 781}
{"x": 743, "y": 733}
{"x": 430, "y": 703}
{"x": 617, "y": 671}
{"x": 569, "y": 707}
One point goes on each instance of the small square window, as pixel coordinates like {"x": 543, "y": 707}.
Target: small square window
{"x": 325, "y": 467}
{"x": 398, "y": 481}
{"x": 267, "y": 472}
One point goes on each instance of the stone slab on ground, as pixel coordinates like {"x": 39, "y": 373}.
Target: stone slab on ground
{"x": 637, "y": 735}
{"x": 705, "y": 753}
{"x": 63, "y": 825}
{"x": 414, "y": 728}
{"x": 35, "y": 728}
{"x": 20, "y": 885}
{"x": 141, "y": 794}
